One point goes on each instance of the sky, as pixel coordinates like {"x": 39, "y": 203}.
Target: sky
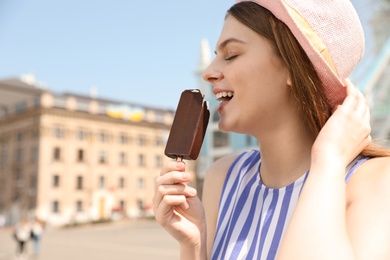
{"x": 143, "y": 52}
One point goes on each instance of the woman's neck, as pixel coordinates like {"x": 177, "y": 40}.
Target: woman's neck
{"x": 285, "y": 155}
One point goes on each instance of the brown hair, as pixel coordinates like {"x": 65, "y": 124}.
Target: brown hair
{"x": 306, "y": 85}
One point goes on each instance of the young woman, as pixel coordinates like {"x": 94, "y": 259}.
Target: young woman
{"x": 316, "y": 188}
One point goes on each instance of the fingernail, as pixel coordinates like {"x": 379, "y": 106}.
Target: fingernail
{"x": 193, "y": 191}
{"x": 180, "y": 165}
{"x": 184, "y": 175}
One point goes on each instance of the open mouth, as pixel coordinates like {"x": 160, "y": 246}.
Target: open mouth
{"x": 224, "y": 96}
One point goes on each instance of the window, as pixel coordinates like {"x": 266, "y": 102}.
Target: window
{"x": 141, "y": 160}
{"x": 102, "y": 109}
{"x": 122, "y": 204}
{"x": 121, "y": 182}
{"x": 159, "y": 117}
{"x": 102, "y": 182}
{"x": 37, "y": 101}
{"x": 123, "y": 139}
{"x": 158, "y": 161}
{"x": 3, "y": 112}
{"x": 102, "y": 157}
{"x": 79, "y": 182}
{"x": 142, "y": 141}
{"x": 122, "y": 158}
{"x": 220, "y": 139}
{"x": 3, "y": 188}
{"x": 33, "y": 181}
{"x": 3, "y": 160}
{"x": 19, "y": 136}
{"x": 79, "y": 206}
{"x": 16, "y": 194}
{"x": 102, "y": 137}
{"x": 249, "y": 140}
{"x": 34, "y": 154}
{"x": 82, "y": 105}
{"x": 59, "y": 102}
{"x": 140, "y": 183}
{"x": 216, "y": 117}
{"x": 35, "y": 134}
{"x": 58, "y": 133}
{"x": 18, "y": 155}
{"x": 55, "y": 206}
{"x": 81, "y": 135}
{"x": 159, "y": 141}
{"x": 57, "y": 154}
{"x": 20, "y": 107}
{"x": 140, "y": 205}
{"x": 55, "y": 181}
{"x": 80, "y": 155}
{"x": 18, "y": 174}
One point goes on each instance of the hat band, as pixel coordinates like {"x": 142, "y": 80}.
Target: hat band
{"x": 313, "y": 37}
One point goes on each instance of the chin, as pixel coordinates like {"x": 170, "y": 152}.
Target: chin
{"x": 226, "y": 128}
{"x": 222, "y": 127}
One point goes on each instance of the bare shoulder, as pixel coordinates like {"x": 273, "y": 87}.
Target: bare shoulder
{"x": 371, "y": 176}
{"x": 219, "y": 168}
{"x": 368, "y": 209}
{"x": 216, "y": 174}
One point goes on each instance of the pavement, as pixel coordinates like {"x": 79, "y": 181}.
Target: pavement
{"x": 130, "y": 240}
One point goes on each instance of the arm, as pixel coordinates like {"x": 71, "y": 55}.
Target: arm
{"x": 179, "y": 211}
{"x": 318, "y": 228}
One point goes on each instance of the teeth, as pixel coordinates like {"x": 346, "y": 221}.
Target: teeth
{"x": 224, "y": 94}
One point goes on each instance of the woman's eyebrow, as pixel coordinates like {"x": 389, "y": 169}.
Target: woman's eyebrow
{"x": 226, "y": 42}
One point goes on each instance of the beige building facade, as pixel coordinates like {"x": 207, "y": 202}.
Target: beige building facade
{"x": 67, "y": 158}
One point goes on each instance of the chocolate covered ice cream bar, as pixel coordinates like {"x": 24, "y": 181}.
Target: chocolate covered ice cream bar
{"x": 188, "y": 127}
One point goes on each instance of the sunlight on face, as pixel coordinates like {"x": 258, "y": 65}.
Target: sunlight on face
{"x": 247, "y": 67}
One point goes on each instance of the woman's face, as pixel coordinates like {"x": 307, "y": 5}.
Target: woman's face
{"x": 249, "y": 79}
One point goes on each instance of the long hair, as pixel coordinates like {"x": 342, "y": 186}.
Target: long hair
{"x": 306, "y": 86}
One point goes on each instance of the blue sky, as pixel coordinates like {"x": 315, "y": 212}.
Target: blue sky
{"x": 133, "y": 51}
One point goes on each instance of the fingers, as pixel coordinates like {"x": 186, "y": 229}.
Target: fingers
{"x": 355, "y": 101}
{"x": 168, "y": 204}
{"x": 165, "y": 191}
{"x": 357, "y": 106}
{"x": 173, "y": 166}
{"x": 171, "y": 189}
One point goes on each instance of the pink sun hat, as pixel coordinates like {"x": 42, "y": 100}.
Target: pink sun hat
{"x": 330, "y": 33}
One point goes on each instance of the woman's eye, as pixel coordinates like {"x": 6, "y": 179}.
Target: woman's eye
{"x": 231, "y": 57}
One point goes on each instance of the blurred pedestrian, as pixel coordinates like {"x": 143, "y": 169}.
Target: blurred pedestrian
{"x": 36, "y": 233}
{"x": 22, "y": 234}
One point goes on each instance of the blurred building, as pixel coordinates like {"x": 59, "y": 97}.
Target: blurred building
{"x": 377, "y": 90}
{"x": 71, "y": 158}
{"x": 376, "y": 81}
{"x": 372, "y": 75}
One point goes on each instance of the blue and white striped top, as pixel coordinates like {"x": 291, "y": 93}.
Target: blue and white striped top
{"x": 252, "y": 217}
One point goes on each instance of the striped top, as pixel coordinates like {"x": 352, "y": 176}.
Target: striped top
{"x": 252, "y": 217}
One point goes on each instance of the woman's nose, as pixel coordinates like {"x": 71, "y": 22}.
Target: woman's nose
{"x": 212, "y": 74}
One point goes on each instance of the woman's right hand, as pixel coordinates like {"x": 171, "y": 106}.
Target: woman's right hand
{"x": 177, "y": 207}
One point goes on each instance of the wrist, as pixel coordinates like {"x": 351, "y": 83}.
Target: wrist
{"x": 197, "y": 252}
{"x": 328, "y": 169}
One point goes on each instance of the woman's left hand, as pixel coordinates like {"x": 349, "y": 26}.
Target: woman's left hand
{"x": 346, "y": 133}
